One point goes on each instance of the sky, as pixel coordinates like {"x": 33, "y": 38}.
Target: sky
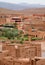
{"x": 25, "y": 1}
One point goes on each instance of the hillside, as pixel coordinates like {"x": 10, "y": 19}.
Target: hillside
{"x": 26, "y": 11}
{"x": 6, "y": 11}
{"x": 33, "y": 10}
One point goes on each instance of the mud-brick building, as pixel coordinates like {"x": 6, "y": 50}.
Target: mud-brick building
{"x": 18, "y": 20}
{"x": 4, "y": 19}
{"x": 38, "y": 21}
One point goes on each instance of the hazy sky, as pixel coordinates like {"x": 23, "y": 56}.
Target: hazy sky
{"x": 26, "y": 1}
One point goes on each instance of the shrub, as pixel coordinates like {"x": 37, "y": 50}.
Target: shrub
{"x": 35, "y": 38}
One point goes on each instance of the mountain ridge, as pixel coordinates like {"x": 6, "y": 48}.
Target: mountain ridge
{"x": 20, "y": 6}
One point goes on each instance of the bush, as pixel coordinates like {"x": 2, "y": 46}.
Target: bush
{"x": 35, "y": 38}
{"x": 14, "y": 34}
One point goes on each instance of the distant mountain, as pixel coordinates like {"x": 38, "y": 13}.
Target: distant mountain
{"x": 19, "y": 6}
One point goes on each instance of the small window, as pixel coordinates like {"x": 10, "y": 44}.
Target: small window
{"x": 36, "y": 35}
